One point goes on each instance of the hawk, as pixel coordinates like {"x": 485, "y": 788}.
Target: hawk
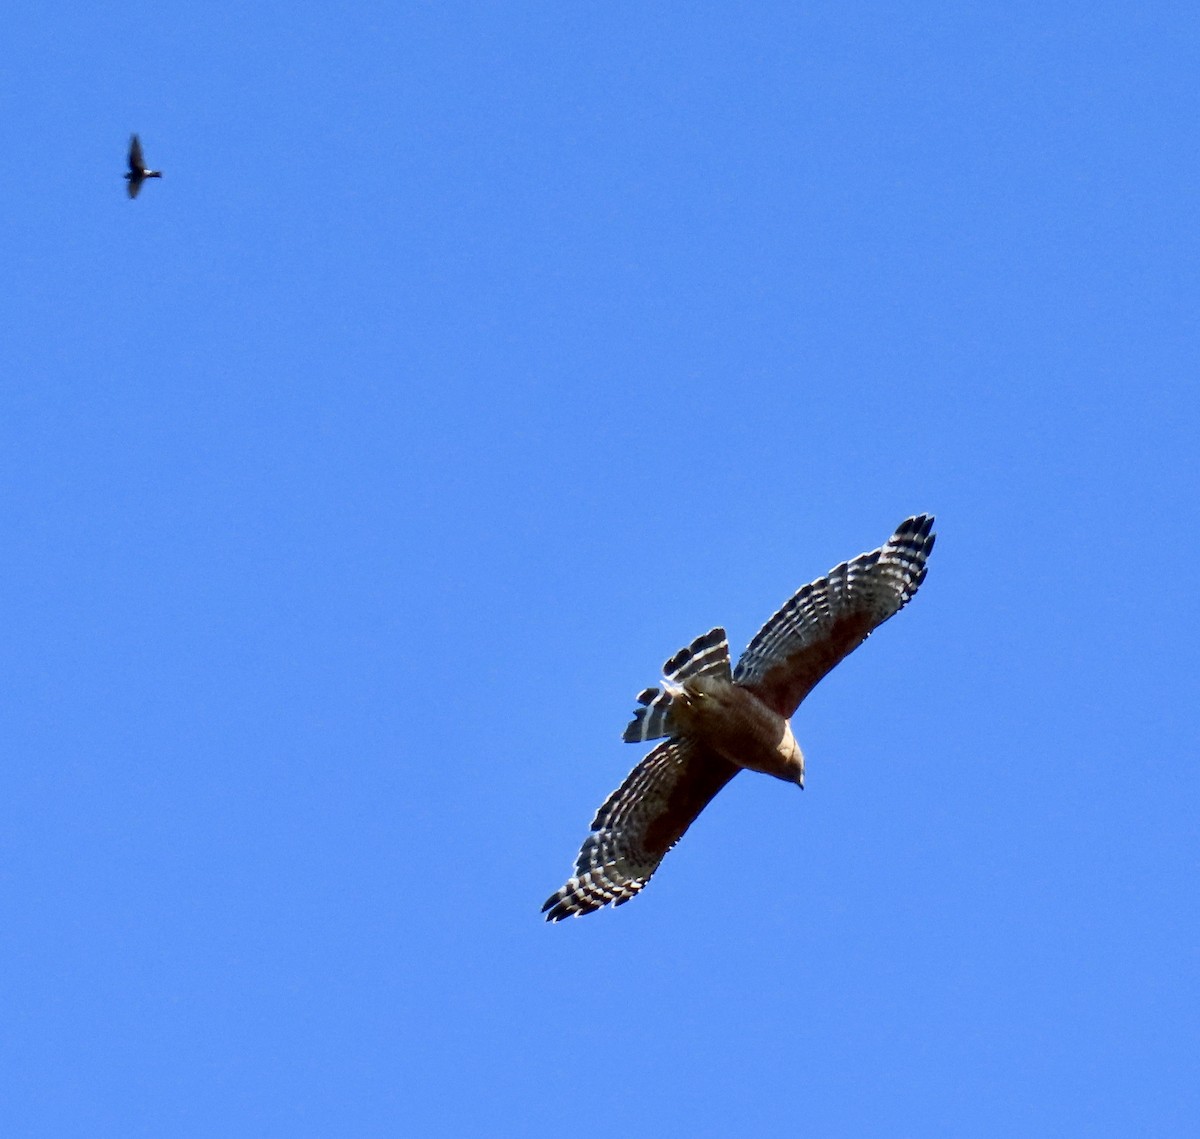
{"x": 716, "y": 720}
{"x": 137, "y": 167}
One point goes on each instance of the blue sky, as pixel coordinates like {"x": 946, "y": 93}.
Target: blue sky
{"x": 467, "y": 362}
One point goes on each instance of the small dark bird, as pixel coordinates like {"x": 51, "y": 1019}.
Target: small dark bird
{"x": 137, "y": 167}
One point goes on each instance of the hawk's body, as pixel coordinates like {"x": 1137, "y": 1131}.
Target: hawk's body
{"x": 718, "y": 720}
{"x": 731, "y": 721}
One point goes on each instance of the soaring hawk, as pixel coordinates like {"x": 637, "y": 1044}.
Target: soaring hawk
{"x": 717, "y": 720}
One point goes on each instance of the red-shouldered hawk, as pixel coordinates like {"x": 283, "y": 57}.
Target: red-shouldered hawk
{"x": 718, "y": 721}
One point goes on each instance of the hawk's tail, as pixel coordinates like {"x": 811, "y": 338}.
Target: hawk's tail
{"x": 705, "y": 656}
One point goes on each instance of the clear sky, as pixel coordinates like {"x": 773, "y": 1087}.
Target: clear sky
{"x": 469, "y": 360}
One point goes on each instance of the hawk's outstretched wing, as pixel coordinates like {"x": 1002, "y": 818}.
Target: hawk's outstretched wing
{"x": 136, "y": 162}
{"x": 825, "y": 621}
{"x": 641, "y": 820}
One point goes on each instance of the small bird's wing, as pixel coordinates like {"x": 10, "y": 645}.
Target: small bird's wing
{"x": 827, "y": 620}
{"x": 134, "y": 185}
{"x": 641, "y": 820}
{"x": 136, "y": 162}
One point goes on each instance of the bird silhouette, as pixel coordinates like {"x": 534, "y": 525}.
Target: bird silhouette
{"x": 137, "y": 167}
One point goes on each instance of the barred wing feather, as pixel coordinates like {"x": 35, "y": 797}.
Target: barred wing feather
{"x": 640, "y": 821}
{"x": 828, "y": 619}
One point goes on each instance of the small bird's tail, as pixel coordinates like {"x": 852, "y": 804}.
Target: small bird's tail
{"x": 705, "y": 656}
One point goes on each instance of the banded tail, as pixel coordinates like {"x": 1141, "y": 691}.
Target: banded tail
{"x": 705, "y": 656}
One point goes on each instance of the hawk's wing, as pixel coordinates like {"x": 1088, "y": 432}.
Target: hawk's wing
{"x": 641, "y": 820}
{"x": 825, "y": 621}
{"x": 136, "y": 162}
